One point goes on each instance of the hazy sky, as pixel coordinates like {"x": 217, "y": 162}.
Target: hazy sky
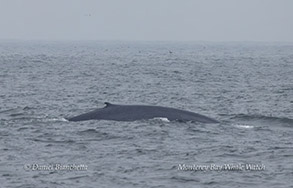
{"x": 175, "y": 20}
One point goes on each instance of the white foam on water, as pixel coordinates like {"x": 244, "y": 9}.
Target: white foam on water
{"x": 244, "y": 126}
{"x": 56, "y": 119}
{"x": 162, "y": 119}
{"x": 61, "y": 119}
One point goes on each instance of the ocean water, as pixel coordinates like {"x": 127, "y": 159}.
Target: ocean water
{"x": 248, "y": 87}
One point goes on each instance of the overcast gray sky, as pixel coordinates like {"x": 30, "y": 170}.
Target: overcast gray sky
{"x": 174, "y": 20}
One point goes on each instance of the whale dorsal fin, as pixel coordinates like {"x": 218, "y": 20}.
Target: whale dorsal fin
{"x": 107, "y": 104}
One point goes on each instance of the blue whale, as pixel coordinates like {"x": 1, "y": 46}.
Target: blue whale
{"x": 141, "y": 112}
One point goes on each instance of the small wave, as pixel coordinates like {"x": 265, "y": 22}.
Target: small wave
{"x": 50, "y": 140}
{"x": 5, "y": 111}
{"x": 89, "y": 131}
{"x": 17, "y": 109}
{"x": 17, "y": 114}
{"x": 13, "y": 110}
{"x": 262, "y": 117}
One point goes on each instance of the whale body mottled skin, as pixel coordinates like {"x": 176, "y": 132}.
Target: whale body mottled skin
{"x": 141, "y": 112}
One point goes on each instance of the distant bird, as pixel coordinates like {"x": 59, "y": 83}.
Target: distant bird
{"x": 170, "y": 52}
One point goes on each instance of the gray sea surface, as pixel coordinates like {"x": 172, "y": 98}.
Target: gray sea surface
{"x": 248, "y": 87}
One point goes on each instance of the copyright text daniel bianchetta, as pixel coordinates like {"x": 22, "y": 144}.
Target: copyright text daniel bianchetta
{"x": 55, "y": 167}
